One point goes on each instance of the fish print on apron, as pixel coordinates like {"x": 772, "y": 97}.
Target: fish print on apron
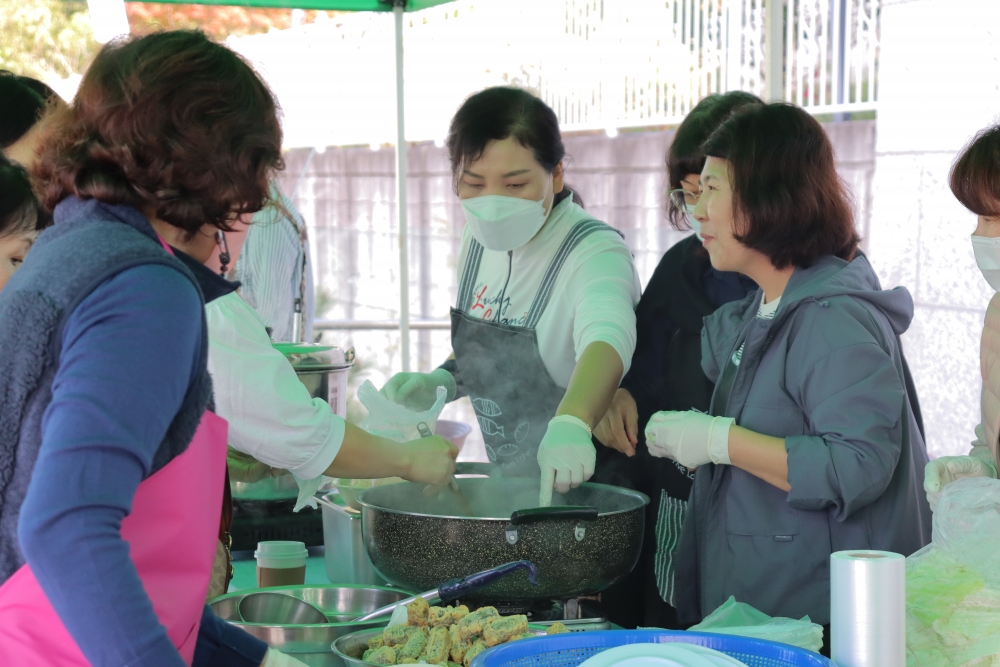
{"x": 171, "y": 540}
{"x": 501, "y": 368}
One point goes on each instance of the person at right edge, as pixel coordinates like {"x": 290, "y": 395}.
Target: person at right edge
{"x": 810, "y": 446}
{"x": 975, "y": 182}
{"x": 112, "y": 461}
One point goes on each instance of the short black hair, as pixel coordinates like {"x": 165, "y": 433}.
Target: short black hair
{"x": 20, "y": 211}
{"x": 496, "y": 113}
{"x": 685, "y": 155}
{"x": 789, "y": 203}
{"x": 975, "y": 178}
{"x": 22, "y": 102}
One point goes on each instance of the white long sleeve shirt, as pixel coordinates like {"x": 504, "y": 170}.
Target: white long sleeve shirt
{"x": 270, "y": 268}
{"x": 271, "y": 415}
{"x": 593, "y": 299}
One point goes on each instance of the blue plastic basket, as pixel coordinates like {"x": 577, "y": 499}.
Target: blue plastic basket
{"x": 569, "y": 650}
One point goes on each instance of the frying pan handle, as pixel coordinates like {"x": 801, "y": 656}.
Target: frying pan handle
{"x": 578, "y": 512}
{"x": 456, "y": 588}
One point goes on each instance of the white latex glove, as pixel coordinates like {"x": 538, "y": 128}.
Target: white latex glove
{"x": 278, "y": 659}
{"x": 941, "y": 472}
{"x": 566, "y": 456}
{"x": 418, "y": 391}
{"x": 691, "y": 438}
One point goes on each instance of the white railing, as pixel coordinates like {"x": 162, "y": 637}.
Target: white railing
{"x": 632, "y": 63}
{"x": 601, "y": 64}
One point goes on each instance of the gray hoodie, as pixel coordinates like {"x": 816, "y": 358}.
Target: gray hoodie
{"x": 826, "y": 374}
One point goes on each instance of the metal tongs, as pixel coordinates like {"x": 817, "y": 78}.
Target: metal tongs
{"x": 456, "y": 588}
{"x": 425, "y": 432}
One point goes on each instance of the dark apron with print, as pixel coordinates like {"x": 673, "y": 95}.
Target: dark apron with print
{"x": 501, "y": 368}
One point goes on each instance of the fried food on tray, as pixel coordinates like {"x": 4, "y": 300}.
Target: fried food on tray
{"x": 474, "y": 623}
{"x": 416, "y": 612}
{"x": 458, "y": 645}
{"x": 413, "y": 647}
{"x": 398, "y": 634}
{"x": 500, "y": 630}
{"x": 382, "y": 656}
{"x": 438, "y": 646}
{"x": 527, "y": 635}
{"x": 446, "y": 616}
{"x": 557, "y": 628}
{"x": 478, "y": 647}
{"x": 378, "y": 641}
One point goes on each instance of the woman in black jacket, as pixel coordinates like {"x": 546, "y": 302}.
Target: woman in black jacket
{"x": 666, "y": 375}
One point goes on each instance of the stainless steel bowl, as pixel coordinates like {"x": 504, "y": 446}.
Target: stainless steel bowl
{"x": 312, "y": 643}
{"x": 272, "y": 488}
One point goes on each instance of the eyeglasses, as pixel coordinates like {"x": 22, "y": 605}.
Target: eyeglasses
{"x": 681, "y": 198}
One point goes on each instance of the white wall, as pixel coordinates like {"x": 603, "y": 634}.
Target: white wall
{"x": 939, "y": 84}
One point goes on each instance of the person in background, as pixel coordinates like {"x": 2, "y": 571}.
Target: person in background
{"x": 975, "y": 182}
{"x": 112, "y": 465}
{"x": 275, "y": 425}
{"x": 21, "y": 218}
{"x": 811, "y": 445}
{"x": 274, "y": 270}
{"x": 666, "y": 374}
{"x": 23, "y": 102}
{"x": 544, "y": 326}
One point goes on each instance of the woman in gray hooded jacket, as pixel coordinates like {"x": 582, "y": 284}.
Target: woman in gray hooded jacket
{"x": 811, "y": 446}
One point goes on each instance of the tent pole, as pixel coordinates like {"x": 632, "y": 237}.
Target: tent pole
{"x": 404, "y": 258}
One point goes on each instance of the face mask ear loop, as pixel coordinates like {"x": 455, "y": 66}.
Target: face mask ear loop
{"x": 220, "y": 240}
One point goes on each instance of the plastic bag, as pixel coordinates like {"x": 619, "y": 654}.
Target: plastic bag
{"x": 953, "y": 585}
{"x": 738, "y": 618}
{"x": 393, "y": 421}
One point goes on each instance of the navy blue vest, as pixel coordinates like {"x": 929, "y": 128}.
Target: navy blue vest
{"x": 90, "y": 243}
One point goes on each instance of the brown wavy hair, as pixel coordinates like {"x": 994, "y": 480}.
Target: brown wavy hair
{"x": 788, "y": 200}
{"x": 171, "y": 123}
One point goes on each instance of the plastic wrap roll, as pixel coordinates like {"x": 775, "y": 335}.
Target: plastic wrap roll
{"x": 868, "y": 609}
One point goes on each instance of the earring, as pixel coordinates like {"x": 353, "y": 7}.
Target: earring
{"x": 220, "y": 240}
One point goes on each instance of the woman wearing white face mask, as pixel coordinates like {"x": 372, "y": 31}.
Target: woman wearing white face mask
{"x": 544, "y": 327}
{"x": 975, "y": 182}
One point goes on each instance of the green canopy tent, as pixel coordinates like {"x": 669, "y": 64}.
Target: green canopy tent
{"x": 397, "y": 7}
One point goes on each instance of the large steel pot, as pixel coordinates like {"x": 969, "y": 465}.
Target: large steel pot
{"x": 589, "y": 539}
{"x": 311, "y": 643}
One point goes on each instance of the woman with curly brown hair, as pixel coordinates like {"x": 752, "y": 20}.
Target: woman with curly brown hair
{"x": 112, "y": 464}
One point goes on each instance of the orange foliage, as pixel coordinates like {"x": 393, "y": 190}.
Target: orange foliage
{"x": 216, "y": 21}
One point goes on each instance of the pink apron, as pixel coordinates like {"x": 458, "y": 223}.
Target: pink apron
{"x": 172, "y": 539}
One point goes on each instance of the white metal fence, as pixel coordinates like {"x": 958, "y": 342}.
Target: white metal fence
{"x": 601, "y": 64}
{"x": 629, "y": 63}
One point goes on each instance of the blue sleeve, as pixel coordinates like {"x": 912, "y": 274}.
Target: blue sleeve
{"x": 128, "y": 356}
{"x": 223, "y": 645}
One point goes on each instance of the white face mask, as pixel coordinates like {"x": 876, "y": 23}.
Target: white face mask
{"x": 987, "y": 251}
{"x": 504, "y": 223}
{"x": 693, "y": 221}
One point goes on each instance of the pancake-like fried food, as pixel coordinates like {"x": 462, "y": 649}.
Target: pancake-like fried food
{"x": 416, "y": 612}
{"x": 557, "y": 628}
{"x": 378, "y": 641}
{"x": 397, "y": 635}
{"x": 499, "y": 630}
{"x": 478, "y": 647}
{"x": 458, "y": 645}
{"x": 473, "y": 624}
{"x": 366, "y": 654}
{"x": 408, "y": 661}
{"x": 446, "y": 616}
{"x": 527, "y": 635}
{"x": 383, "y": 656}
{"x": 438, "y": 646}
{"x": 413, "y": 647}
